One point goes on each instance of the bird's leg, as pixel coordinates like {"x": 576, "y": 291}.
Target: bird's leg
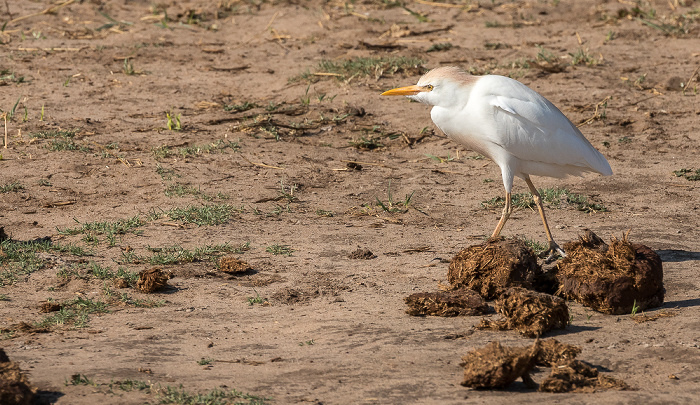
{"x": 504, "y": 217}
{"x": 553, "y": 247}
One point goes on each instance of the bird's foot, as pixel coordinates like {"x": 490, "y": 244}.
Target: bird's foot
{"x": 553, "y": 252}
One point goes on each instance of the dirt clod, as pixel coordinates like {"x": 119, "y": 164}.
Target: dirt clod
{"x": 120, "y": 282}
{"x": 152, "y": 280}
{"x": 46, "y": 307}
{"x": 15, "y": 388}
{"x": 233, "y": 265}
{"x": 613, "y": 278}
{"x": 362, "y": 254}
{"x": 578, "y": 376}
{"x": 529, "y": 312}
{"x": 491, "y": 267}
{"x": 460, "y": 302}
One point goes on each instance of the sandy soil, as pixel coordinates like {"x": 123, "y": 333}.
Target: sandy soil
{"x": 310, "y": 324}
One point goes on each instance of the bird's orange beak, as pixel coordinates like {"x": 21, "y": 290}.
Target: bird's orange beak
{"x": 404, "y": 91}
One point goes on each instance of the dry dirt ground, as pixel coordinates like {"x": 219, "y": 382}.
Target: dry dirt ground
{"x": 169, "y": 134}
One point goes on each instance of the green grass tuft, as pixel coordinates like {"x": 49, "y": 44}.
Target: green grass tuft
{"x": 554, "y": 197}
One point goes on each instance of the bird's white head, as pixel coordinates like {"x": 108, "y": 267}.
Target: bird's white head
{"x": 443, "y": 86}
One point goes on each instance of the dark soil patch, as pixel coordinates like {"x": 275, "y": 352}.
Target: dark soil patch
{"x": 362, "y": 254}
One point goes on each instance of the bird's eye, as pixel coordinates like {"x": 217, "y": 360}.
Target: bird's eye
{"x": 429, "y": 87}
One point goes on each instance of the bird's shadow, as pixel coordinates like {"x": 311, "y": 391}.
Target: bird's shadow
{"x": 570, "y": 329}
{"x": 45, "y": 397}
{"x": 693, "y": 302}
{"x": 677, "y": 255}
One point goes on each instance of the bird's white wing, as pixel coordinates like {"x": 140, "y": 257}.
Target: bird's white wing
{"x": 533, "y": 129}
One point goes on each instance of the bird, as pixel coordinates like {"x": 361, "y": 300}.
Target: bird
{"x": 511, "y": 124}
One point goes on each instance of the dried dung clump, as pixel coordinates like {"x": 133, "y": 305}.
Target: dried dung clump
{"x": 613, "y": 278}
{"x": 553, "y": 352}
{"x": 49, "y": 306}
{"x": 462, "y": 302}
{"x": 493, "y": 266}
{"x": 120, "y": 282}
{"x": 232, "y": 265}
{"x": 362, "y": 254}
{"x": 578, "y": 376}
{"x": 15, "y": 388}
{"x": 529, "y": 312}
{"x": 152, "y": 280}
{"x": 495, "y": 366}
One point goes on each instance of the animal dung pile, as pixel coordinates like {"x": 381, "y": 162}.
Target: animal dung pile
{"x": 446, "y": 303}
{"x": 152, "y": 280}
{"x": 491, "y": 267}
{"x": 553, "y": 352}
{"x": 233, "y": 265}
{"x": 578, "y": 376}
{"x": 613, "y": 278}
{"x": 529, "y": 312}
{"x": 15, "y": 388}
{"x": 496, "y": 366}
{"x": 49, "y": 306}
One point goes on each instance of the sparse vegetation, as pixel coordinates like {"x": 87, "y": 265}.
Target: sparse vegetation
{"x": 688, "y": 174}
{"x": 395, "y": 206}
{"x": 21, "y": 258}
{"x": 11, "y": 187}
{"x": 257, "y": 299}
{"x": 214, "y": 214}
{"x": 444, "y": 46}
{"x": 171, "y": 395}
{"x": 164, "y": 152}
{"x": 173, "y": 123}
{"x": 555, "y": 197}
{"x": 279, "y": 250}
{"x": 74, "y": 313}
{"x": 362, "y": 67}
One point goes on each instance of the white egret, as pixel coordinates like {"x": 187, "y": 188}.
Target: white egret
{"x": 511, "y": 124}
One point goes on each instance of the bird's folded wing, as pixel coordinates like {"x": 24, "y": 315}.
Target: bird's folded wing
{"x": 535, "y": 130}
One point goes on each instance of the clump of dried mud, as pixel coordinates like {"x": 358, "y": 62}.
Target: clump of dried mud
{"x": 496, "y": 366}
{"x": 612, "y": 278}
{"x": 529, "y": 312}
{"x": 462, "y": 302}
{"x": 362, "y": 254}
{"x": 233, "y": 265}
{"x": 15, "y": 388}
{"x": 152, "y": 280}
{"x": 491, "y": 267}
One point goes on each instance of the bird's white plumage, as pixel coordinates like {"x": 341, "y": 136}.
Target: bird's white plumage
{"x": 509, "y": 123}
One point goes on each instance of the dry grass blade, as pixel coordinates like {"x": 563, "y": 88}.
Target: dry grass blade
{"x": 49, "y": 10}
